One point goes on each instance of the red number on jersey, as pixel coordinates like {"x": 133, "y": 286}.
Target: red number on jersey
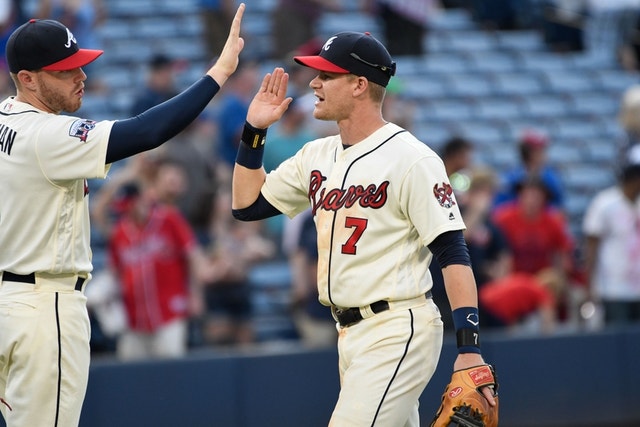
{"x": 358, "y": 225}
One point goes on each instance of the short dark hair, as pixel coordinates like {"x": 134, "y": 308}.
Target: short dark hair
{"x": 533, "y": 181}
{"x": 630, "y": 172}
{"x": 455, "y": 145}
{"x": 159, "y": 61}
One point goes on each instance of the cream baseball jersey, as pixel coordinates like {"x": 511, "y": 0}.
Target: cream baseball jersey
{"x": 45, "y": 160}
{"x": 364, "y": 204}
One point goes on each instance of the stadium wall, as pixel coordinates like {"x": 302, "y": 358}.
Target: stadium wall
{"x": 561, "y": 381}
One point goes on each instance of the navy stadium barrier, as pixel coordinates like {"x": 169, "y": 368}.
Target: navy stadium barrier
{"x": 567, "y": 380}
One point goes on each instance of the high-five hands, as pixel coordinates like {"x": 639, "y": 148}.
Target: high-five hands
{"x": 271, "y": 101}
{"x": 228, "y": 60}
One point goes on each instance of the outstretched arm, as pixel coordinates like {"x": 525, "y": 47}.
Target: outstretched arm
{"x": 150, "y": 129}
{"x": 267, "y": 106}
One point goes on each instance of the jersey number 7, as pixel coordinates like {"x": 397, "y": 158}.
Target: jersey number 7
{"x": 358, "y": 225}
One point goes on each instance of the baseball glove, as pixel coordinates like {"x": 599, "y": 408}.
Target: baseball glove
{"x": 463, "y": 405}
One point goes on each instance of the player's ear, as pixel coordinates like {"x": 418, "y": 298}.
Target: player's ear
{"x": 26, "y": 79}
{"x": 361, "y": 85}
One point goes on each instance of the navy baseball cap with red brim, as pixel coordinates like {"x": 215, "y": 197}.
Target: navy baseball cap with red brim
{"x": 79, "y": 59}
{"x": 48, "y": 45}
{"x": 356, "y": 53}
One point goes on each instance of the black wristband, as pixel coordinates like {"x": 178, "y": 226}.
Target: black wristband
{"x": 253, "y": 137}
{"x": 468, "y": 340}
{"x": 250, "y": 158}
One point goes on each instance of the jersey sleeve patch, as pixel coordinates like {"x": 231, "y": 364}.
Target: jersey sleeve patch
{"x": 444, "y": 195}
{"x": 80, "y": 129}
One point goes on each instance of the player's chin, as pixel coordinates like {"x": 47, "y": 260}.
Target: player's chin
{"x": 73, "y": 106}
{"x": 319, "y": 114}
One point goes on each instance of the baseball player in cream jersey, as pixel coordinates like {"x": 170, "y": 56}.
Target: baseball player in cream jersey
{"x": 383, "y": 208}
{"x": 45, "y": 261}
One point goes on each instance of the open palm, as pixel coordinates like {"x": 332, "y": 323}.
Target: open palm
{"x": 270, "y": 103}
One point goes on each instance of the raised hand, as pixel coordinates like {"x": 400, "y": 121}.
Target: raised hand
{"x": 228, "y": 60}
{"x": 271, "y": 101}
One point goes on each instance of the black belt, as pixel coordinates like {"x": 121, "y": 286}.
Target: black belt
{"x": 351, "y": 316}
{"x": 31, "y": 278}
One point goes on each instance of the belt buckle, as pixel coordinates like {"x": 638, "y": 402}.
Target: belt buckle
{"x": 347, "y": 316}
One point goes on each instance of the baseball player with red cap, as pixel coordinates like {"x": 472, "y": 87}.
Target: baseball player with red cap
{"x": 45, "y": 160}
{"x": 383, "y": 207}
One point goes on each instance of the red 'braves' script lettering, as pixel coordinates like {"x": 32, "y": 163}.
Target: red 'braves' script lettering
{"x": 371, "y": 196}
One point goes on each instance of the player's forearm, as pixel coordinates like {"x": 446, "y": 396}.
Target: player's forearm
{"x": 160, "y": 123}
{"x": 246, "y": 185}
{"x": 460, "y": 286}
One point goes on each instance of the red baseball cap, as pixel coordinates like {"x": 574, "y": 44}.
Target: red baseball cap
{"x": 351, "y": 52}
{"x": 46, "y": 44}
{"x": 534, "y": 138}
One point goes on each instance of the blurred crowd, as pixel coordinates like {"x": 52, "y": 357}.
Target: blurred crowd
{"x": 177, "y": 268}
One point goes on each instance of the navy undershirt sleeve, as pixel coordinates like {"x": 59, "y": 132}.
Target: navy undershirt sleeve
{"x": 260, "y": 209}
{"x": 450, "y": 248}
{"x": 150, "y": 129}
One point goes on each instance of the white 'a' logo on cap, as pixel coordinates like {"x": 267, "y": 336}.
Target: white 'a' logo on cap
{"x": 70, "y": 38}
{"x": 327, "y": 45}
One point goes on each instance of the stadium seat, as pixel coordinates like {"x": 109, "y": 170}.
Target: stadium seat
{"x": 409, "y": 65}
{"x": 472, "y": 41}
{"x": 514, "y": 128}
{"x": 115, "y": 29}
{"x": 151, "y": 27}
{"x": 448, "y": 109}
{"x": 190, "y": 25}
{"x": 582, "y": 177}
{"x": 562, "y": 151}
{"x": 481, "y": 132}
{"x": 181, "y": 7}
{"x": 539, "y": 61}
{"x": 500, "y": 156}
{"x": 270, "y": 301}
{"x": 498, "y": 108}
{"x": 130, "y": 52}
{"x": 602, "y": 102}
{"x": 127, "y": 8}
{"x": 335, "y": 22}
{"x": 576, "y": 127}
{"x": 452, "y": 21}
{"x": 436, "y": 42}
{"x": 611, "y": 128}
{"x": 424, "y": 86}
{"x": 590, "y": 61}
{"x": 568, "y": 81}
{"x": 614, "y": 79}
{"x": 521, "y": 41}
{"x": 576, "y": 204}
{"x": 601, "y": 151}
{"x": 469, "y": 84}
{"x": 447, "y": 63}
{"x": 545, "y": 105}
{"x": 183, "y": 48}
{"x": 433, "y": 133}
{"x": 518, "y": 83}
{"x": 492, "y": 61}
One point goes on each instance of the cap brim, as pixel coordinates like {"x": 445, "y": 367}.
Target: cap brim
{"x": 319, "y": 63}
{"x": 79, "y": 59}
